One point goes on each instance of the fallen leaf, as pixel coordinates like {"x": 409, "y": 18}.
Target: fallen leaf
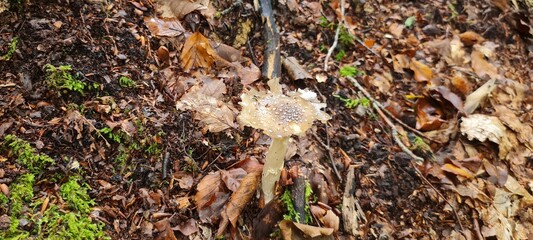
{"x": 239, "y": 199}
{"x": 462, "y": 84}
{"x": 509, "y": 119}
{"x": 475, "y": 99}
{"x": 422, "y": 72}
{"x": 396, "y": 29}
{"x": 248, "y": 75}
{"x": 180, "y": 8}
{"x": 232, "y": 178}
{"x": 187, "y": 228}
{"x": 210, "y": 197}
{"x": 428, "y": 117}
{"x": 213, "y": 114}
{"x": 470, "y": 38}
{"x": 164, "y": 27}
{"x": 481, "y": 66}
{"x": 197, "y": 52}
{"x": 450, "y": 97}
{"x": 293, "y": 231}
{"x": 451, "y": 168}
{"x": 516, "y": 188}
{"x": 166, "y": 232}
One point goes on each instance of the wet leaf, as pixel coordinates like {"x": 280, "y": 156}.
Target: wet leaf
{"x": 197, "y": 52}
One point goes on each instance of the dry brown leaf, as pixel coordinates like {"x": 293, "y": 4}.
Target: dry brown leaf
{"x": 428, "y": 117}
{"x": 166, "y": 232}
{"x": 294, "y": 231}
{"x": 197, "y": 52}
{"x": 473, "y": 100}
{"x": 239, "y": 199}
{"x": 248, "y": 75}
{"x": 396, "y": 29}
{"x": 180, "y": 8}
{"x": 163, "y": 56}
{"x": 516, "y": 188}
{"x": 423, "y": 73}
{"x": 450, "y": 97}
{"x": 509, "y": 118}
{"x": 451, "y": 168}
{"x": 187, "y": 228}
{"x": 232, "y": 178}
{"x": 213, "y": 114}
{"x": 472, "y": 191}
{"x": 210, "y": 197}
{"x": 470, "y": 38}
{"x": 400, "y": 62}
{"x": 164, "y": 27}
{"x": 481, "y": 66}
{"x": 462, "y": 84}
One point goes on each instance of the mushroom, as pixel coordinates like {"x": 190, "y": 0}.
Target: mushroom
{"x": 279, "y": 116}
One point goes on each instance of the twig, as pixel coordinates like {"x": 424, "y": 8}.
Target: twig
{"x": 418, "y": 159}
{"x": 336, "y": 40}
{"x": 7, "y": 85}
{"x": 165, "y": 164}
{"x": 327, "y": 145}
{"x": 235, "y": 4}
{"x": 365, "y": 46}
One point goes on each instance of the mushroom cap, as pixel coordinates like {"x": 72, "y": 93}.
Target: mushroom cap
{"x": 281, "y": 115}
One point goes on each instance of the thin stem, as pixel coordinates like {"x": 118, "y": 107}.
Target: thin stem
{"x": 273, "y": 164}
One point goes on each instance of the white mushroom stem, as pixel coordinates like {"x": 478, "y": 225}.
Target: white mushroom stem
{"x": 275, "y": 158}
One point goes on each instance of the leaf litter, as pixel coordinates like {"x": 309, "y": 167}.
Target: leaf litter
{"x": 463, "y": 82}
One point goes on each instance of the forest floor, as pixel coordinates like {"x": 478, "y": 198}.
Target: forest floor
{"x": 120, "y": 119}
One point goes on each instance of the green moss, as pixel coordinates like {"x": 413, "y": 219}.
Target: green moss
{"x": 76, "y": 195}
{"x": 58, "y": 225}
{"x": 11, "y": 50}
{"x": 21, "y": 193}
{"x": 286, "y": 199}
{"x": 26, "y": 155}
{"x": 345, "y": 38}
{"x": 60, "y": 79}
{"x": 13, "y": 233}
{"x": 350, "y": 71}
{"x": 352, "y": 103}
{"x": 126, "y": 82}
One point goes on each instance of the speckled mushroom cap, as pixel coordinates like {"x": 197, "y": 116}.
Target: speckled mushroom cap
{"x": 281, "y": 115}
